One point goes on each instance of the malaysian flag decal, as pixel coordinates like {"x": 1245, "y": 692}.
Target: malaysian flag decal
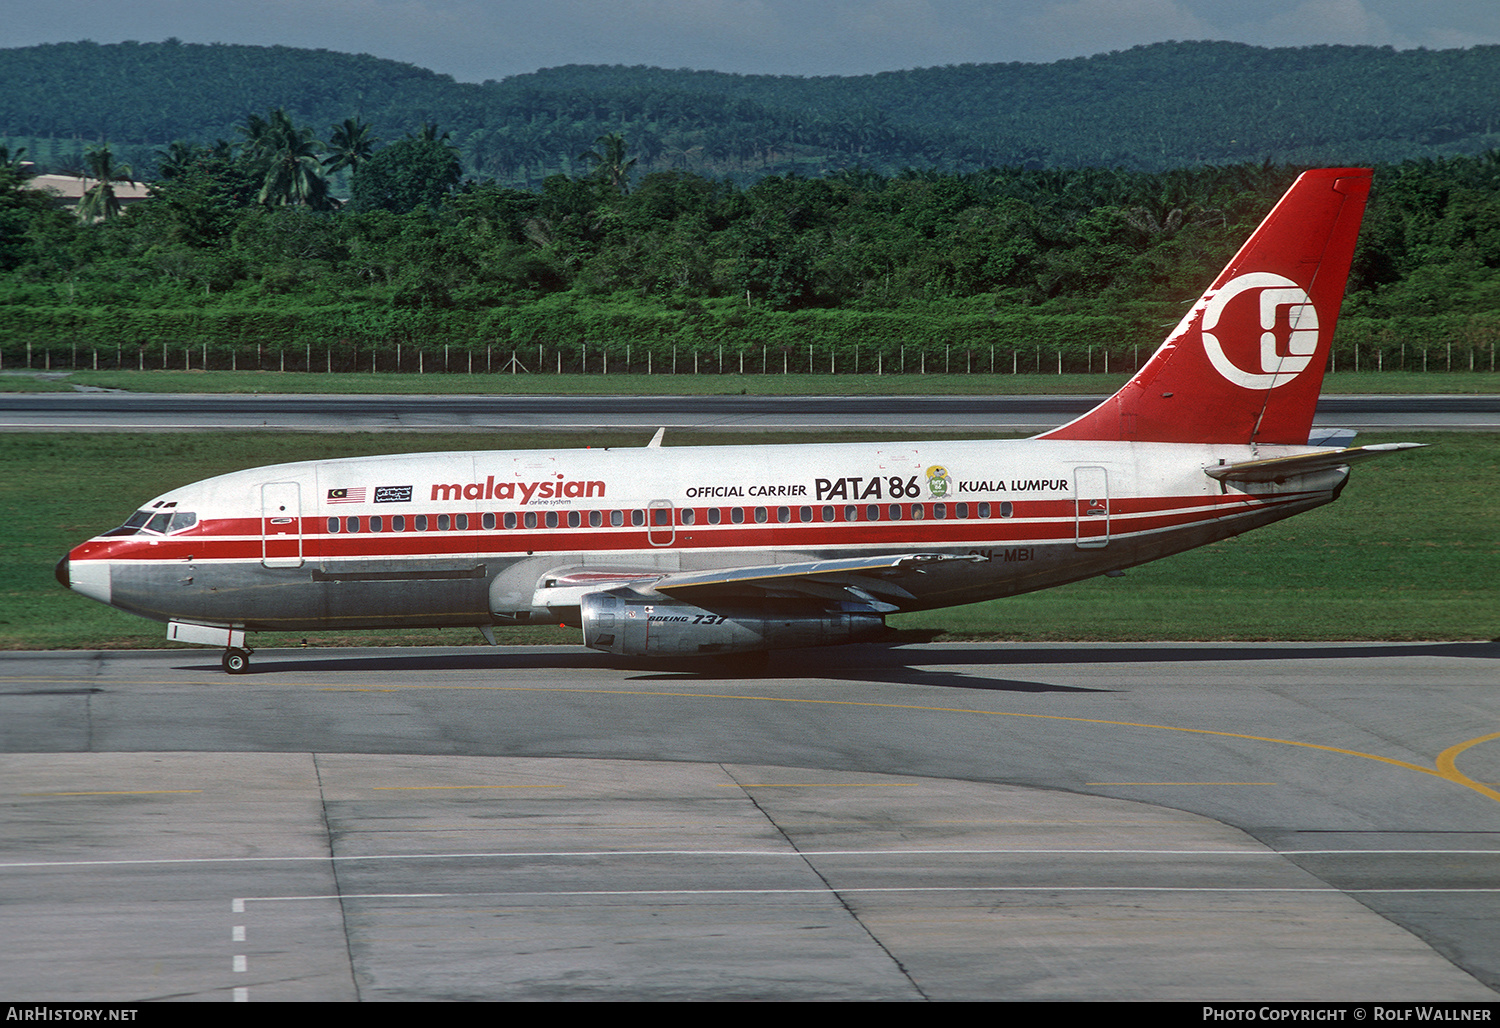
{"x": 347, "y": 495}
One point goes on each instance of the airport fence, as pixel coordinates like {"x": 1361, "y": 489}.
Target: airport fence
{"x": 833, "y": 343}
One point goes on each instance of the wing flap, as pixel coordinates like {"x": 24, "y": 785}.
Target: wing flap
{"x": 791, "y": 576}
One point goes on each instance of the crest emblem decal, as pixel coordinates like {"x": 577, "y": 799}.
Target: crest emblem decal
{"x": 1288, "y": 340}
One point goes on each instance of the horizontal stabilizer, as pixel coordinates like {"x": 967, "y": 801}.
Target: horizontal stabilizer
{"x": 1279, "y": 469}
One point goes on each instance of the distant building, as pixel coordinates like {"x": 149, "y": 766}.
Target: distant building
{"x": 70, "y": 189}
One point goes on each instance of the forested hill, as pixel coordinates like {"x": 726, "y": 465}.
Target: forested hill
{"x": 1149, "y": 108}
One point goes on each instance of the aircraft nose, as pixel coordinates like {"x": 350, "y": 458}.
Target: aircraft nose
{"x": 61, "y": 571}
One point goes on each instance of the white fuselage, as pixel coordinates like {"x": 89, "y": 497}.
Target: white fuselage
{"x": 497, "y": 537}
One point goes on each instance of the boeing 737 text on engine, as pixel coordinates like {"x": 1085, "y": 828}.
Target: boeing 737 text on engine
{"x": 658, "y": 551}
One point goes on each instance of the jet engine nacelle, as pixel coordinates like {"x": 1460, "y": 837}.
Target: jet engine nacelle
{"x": 633, "y": 624}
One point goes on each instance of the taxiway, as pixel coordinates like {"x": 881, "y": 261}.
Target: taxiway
{"x": 967, "y": 821}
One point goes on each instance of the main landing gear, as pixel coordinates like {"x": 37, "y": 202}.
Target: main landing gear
{"x": 231, "y": 637}
{"x": 236, "y": 660}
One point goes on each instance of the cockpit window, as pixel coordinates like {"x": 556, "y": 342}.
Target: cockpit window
{"x": 163, "y": 521}
{"x": 132, "y": 524}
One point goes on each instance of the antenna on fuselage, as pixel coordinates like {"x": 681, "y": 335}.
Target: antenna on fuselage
{"x": 655, "y": 443}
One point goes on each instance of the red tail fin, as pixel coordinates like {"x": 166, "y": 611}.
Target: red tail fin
{"x": 1246, "y": 363}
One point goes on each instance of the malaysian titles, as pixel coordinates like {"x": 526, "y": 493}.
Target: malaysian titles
{"x": 558, "y": 490}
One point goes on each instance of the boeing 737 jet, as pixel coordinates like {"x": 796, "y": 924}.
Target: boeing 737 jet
{"x": 684, "y": 551}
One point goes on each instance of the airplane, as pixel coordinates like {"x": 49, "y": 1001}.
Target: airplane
{"x": 688, "y": 551}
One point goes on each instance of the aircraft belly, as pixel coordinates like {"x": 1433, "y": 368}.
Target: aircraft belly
{"x": 356, "y": 594}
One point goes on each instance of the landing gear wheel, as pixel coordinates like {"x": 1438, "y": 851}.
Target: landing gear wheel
{"x": 236, "y": 660}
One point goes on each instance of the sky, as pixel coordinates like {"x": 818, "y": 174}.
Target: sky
{"x": 474, "y": 40}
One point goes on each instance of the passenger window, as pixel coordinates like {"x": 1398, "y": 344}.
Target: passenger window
{"x": 918, "y": 511}
{"x": 688, "y": 515}
{"x": 461, "y": 522}
{"x": 827, "y": 513}
{"x": 940, "y": 510}
{"x": 737, "y": 515}
{"x": 616, "y": 518}
{"x": 894, "y": 511}
{"x": 552, "y": 519}
{"x": 872, "y": 513}
{"x": 637, "y": 518}
{"x": 377, "y": 524}
{"x": 960, "y": 510}
{"x": 783, "y": 514}
{"x": 760, "y": 515}
{"x": 804, "y": 514}
{"x": 714, "y": 515}
{"x": 596, "y": 518}
{"x": 443, "y": 523}
{"x": 510, "y": 521}
{"x": 488, "y": 521}
{"x": 851, "y": 513}
{"x": 398, "y": 522}
{"x": 420, "y": 523}
{"x": 333, "y": 526}
{"x": 984, "y": 510}
{"x": 530, "y": 519}
{"x": 352, "y": 524}
{"x": 1006, "y": 509}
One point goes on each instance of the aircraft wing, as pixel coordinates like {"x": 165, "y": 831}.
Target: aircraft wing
{"x": 862, "y": 580}
{"x": 1279, "y": 469}
{"x": 859, "y": 578}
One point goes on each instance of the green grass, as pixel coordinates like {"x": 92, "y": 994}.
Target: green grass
{"x": 1468, "y": 382}
{"x": 1411, "y": 550}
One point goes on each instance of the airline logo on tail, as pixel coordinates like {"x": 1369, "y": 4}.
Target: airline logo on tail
{"x": 1246, "y": 363}
{"x": 1288, "y": 334}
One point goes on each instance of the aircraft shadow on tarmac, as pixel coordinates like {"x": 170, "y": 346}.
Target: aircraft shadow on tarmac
{"x": 873, "y": 663}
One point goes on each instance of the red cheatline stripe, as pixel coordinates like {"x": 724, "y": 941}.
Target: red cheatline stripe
{"x": 1156, "y": 515}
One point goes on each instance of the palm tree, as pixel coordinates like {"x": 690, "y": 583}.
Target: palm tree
{"x": 610, "y": 163}
{"x": 429, "y": 134}
{"x": 99, "y": 203}
{"x": 350, "y": 144}
{"x": 176, "y": 159}
{"x": 14, "y": 164}
{"x": 286, "y": 159}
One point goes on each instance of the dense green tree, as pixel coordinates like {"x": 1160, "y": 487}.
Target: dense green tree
{"x": 203, "y": 198}
{"x": 22, "y": 211}
{"x": 1147, "y": 108}
{"x": 409, "y": 173}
